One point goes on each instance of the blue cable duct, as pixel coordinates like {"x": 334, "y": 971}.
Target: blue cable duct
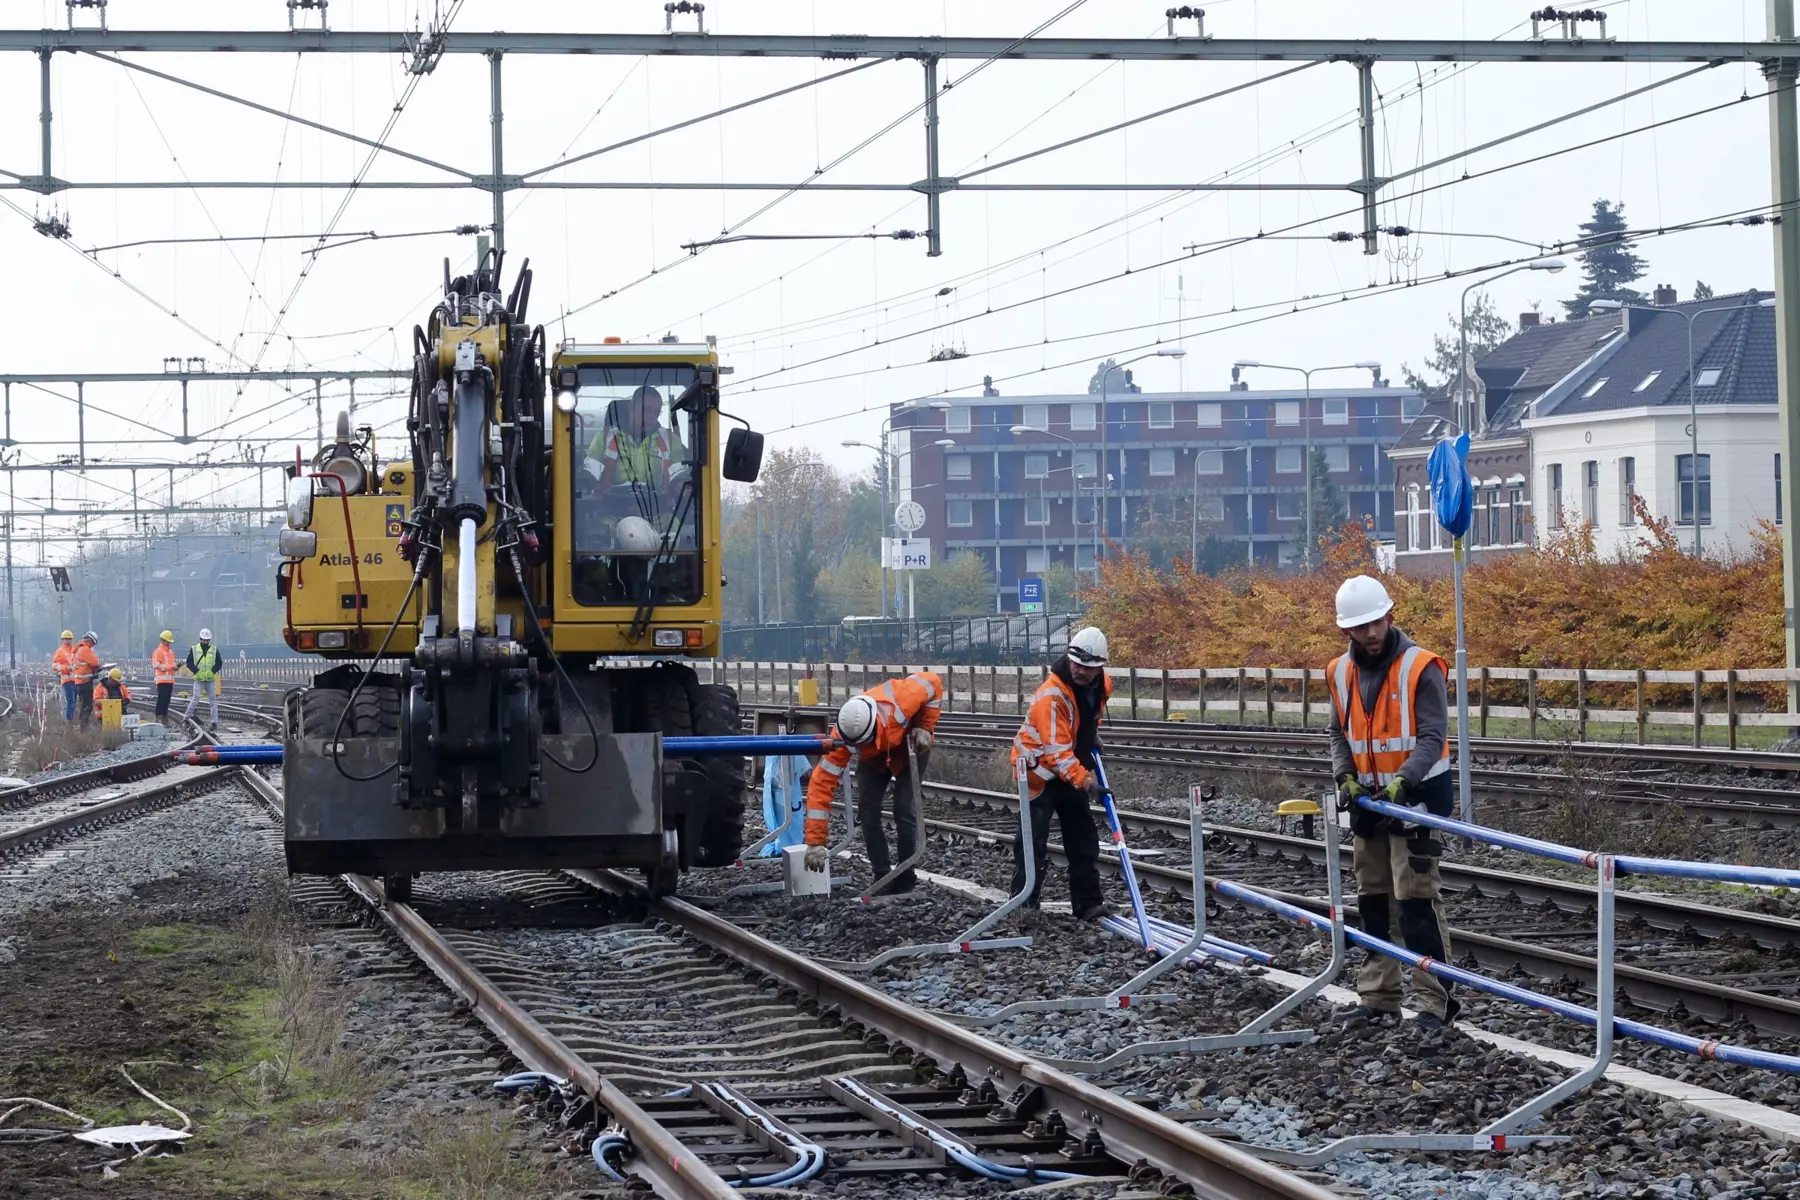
{"x": 811, "y": 1154}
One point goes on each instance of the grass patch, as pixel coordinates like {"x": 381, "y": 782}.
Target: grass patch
{"x": 171, "y": 939}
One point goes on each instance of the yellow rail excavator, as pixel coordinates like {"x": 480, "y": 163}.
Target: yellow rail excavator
{"x": 514, "y": 605}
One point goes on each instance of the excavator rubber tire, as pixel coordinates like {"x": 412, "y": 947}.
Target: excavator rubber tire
{"x": 722, "y": 827}
{"x": 375, "y": 712}
{"x": 320, "y": 710}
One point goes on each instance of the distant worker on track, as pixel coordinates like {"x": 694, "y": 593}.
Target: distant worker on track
{"x": 112, "y": 687}
{"x": 203, "y": 662}
{"x": 87, "y": 671}
{"x": 164, "y": 663}
{"x": 1057, "y": 743}
{"x": 1390, "y": 740}
{"x": 878, "y": 724}
{"x": 64, "y": 663}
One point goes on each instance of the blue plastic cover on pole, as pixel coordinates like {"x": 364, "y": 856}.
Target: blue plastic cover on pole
{"x": 782, "y": 799}
{"x": 1452, "y": 497}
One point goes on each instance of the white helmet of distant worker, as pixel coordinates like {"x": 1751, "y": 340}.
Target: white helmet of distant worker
{"x": 856, "y": 720}
{"x": 206, "y": 635}
{"x": 1361, "y": 599}
{"x": 1088, "y": 647}
{"x": 634, "y": 535}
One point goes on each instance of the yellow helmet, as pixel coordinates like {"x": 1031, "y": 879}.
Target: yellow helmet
{"x": 68, "y": 635}
{"x": 114, "y": 674}
{"x": 168, "y": 635}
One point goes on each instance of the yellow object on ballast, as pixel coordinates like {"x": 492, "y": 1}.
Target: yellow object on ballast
{"x": 1298, "y": 808}
{"x": 109, "y": 715}
{"x": 1176, "y": 716}
{"x": 806, "y": 692}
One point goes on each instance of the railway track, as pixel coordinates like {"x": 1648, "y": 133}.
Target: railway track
{"x": 1486, "y": 907}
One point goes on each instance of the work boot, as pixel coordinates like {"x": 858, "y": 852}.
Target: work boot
{"x": 1364, "y": 1015}
{"x": 1094, "y": 912}
{"x": 904, "y": 883}
{"x": 1431, "y": 1021}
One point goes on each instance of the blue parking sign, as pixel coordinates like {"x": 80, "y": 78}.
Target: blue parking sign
{"x": 1031, "y": 594}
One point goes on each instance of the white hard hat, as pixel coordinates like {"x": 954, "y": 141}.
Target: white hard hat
{"x": 206, "y": 635}
{"x": 856, "y": 720}
{"x": 1088, "y": 647}
{"x": 634, "y": 535}
{"x": 1361, "y": 599}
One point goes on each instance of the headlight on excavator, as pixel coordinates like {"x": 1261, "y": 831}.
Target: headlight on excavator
{"x": 668, "y": 639}
{"x": 299, "y": 503}
{"x": 297, "y": 543}
{"x": 331, "y": 639}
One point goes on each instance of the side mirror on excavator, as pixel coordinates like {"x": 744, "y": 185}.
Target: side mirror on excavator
{"x": 743, "y": 456}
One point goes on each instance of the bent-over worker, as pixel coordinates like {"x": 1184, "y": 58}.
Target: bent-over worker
{"x": 1390, "y": 740}
{"x": 1057, "y": 742}
{"x": 112, "y": 687}
{"x": 878, "y": 724}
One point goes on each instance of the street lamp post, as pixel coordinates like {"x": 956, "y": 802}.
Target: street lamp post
{"x": 890, "y": 463}
{"x": 1693, "y": 406}
{"x": 1306, "y": 424}
{"x": 1463, "y": 399}
{"x": 1105, "y": 471}
{"x": 1194, "y": 537}
{"x": 1016, "y": 430}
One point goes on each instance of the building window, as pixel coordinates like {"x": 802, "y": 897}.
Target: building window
{"x": 959, "y": 466}
{"x": 1708, "y": 377}
{"x": 1287, "y": 412}
{"x": 959, "y": 514}
{"x": 1037, "y": 511}
{"x": 1087, "y": 462}
{"x": 1477, "y": 518}
{"x": 1337, "y": 458}
{"x": 1516, "y": 502}
{"x": 1411, "y": 405}
{"x": 1594, "y": 387}
{"x": 1084, "y": 556}
{"x": 956, "y": 418}
{"x": 1210, "y": 462}
{"x": 1037, "y": 466}
{"x": 1590, "y": 492}
{"x": 1082, "y": 416}
{"x": 1437, "y": 531}
{"x": 1162, "y": 416}
{"x": 1337, "y": 412}
{"x": 1413, "y": 513}
{"x": 1287, "y": 459}
{"x": 1627, "y": 490}
{"x": 1648, "y": 380}
{"x": 1084, "y": 510}
{"x": 1037, "y": 416}
{"x": 1496, "y": 518}
{"x": 1212, "y": 508}
{"x": 1553, "y": 493}
{"x": 1778, "y": 489}
{"x": 1036, "y": 560}
{"x": 1162, "y": 462}
{"x": 1210, "y": 416}
{"x": 1287, "y": 506}
{"x": 1685, "y": 476}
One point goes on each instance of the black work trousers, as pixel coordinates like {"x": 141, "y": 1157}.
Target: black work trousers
{"x": 164, "y": 693}
{"x": 1080, "y": 840}
{"x": 84, "y": 701}
{"x": 872, "y": 782}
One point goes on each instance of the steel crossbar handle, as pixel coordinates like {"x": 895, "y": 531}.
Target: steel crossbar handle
{"x": 1118, "y": 837}
{"x": 969, "y": 940}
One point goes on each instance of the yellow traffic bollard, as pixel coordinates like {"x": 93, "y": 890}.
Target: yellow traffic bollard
{"x": 110, "y": 711}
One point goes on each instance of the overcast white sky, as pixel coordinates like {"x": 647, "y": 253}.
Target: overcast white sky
{"x": 824, "y": 335}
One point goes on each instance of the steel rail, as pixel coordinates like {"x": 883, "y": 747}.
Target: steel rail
{"x": 1215, "y": 1170}
{"x": 109, "y": 811}
{"x": 670, "y": 1168}
{"x": 1655, "y": 990}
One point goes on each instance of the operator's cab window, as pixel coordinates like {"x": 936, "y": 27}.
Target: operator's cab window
{"x": 636, "y": 487}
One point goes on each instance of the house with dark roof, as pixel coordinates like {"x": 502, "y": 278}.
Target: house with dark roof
{"x": 1571, "y": 421}
{"x": 1632, "y": 423}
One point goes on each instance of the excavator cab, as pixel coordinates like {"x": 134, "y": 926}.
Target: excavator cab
{"x": 515, "y": 605}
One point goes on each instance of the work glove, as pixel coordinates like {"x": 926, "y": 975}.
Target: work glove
{"x": 921, "y": 740}
{"x": 1093, "y": 789}
{"x": 815, "y": 858}
{"x": 1349, "y": 788}
{"x": 1395, "y": 792}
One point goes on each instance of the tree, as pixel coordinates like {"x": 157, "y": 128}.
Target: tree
{"x": 1163, "y": 530}
{"x": 959, "y": 586}
{"x": 1702, "y": 291}
{"x": 1218, "y": 555}
{"x": 1329, "y": 512}
{"x": 1486, "y": 329}
{"x": 1100, "y": 374}
{"x": 1062, "y": 587}
{"x": 803, "y": 575}
{"x": 1607, "y": 262}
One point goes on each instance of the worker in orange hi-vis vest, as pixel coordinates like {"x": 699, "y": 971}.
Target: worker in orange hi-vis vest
{"x": 87, "y": 672}
{"x": 877, "y": 726}
{"x": 64, "y": 663}
{"x": 165, "y": 664}
{"x": 112, "y": 687}
{"x": 1390, "y": 739}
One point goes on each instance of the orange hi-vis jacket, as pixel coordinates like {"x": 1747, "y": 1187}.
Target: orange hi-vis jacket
{"x": 164, "y": 662}
{"x": 901, "y": 706}
{"x": 87, "y": 663}
{"x": 64, "y": 662}
{"x": 1046, "y": 741}
{"x": 104, "y": 692}
{"x": 1382, "y": 741}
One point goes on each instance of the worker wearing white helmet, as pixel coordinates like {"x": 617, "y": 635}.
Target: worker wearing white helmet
{"x": 203, "y": 662}
{"x": 878, "y": 724}
{"x": 1057, "y": 742}
{"x": 1390, "y": 740}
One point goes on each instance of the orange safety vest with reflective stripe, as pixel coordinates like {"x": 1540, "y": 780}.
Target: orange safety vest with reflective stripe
{"x": 64, "y": 662}
{"x": 1382, "y": 741}
{"x": 1046, "y": 741}
{"x": 164, "y": 662}
{"x": 901, "y": 705}
{"x": 87, "y": 663}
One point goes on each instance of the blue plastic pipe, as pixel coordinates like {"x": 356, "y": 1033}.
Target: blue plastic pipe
{"x": 674, "y": 747}
{"x": 1699, "y": 1047}
{"x": 1125, "y": 871}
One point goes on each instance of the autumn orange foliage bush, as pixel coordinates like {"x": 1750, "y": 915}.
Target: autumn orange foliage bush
{"x": 1564, "y": 605}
